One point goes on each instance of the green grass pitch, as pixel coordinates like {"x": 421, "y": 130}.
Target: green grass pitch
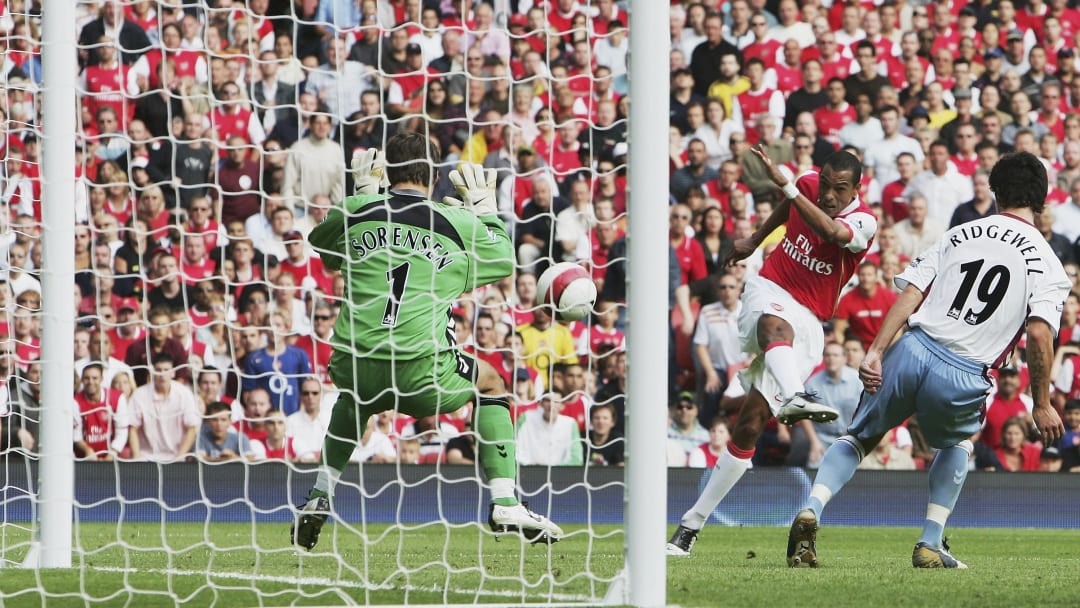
{"x": 236, "y": 565}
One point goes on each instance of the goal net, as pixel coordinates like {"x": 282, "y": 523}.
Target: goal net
{"x": 212, "y": 138}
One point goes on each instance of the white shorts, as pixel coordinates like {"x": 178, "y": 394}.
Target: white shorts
{"x": 763, "y": 297}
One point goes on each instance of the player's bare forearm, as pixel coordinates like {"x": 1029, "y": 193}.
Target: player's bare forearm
{"x": 1040, "y": 359}
{"x": 820, "y": 222}
{"x": 901, "y": 310}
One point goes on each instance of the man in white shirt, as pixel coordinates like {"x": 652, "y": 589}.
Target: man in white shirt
{"x": 547, "y": 437}
{"x": 918, "y": 231}
{"x": 716, "y": 342}
{"x": 307, "y": 426}
{"x": 164, "y": 416}
{"x": 1067, "y": 216}
{"x": 791, "y": 26}
{"x": 865, "y": 130}
{"x": 573, "y": 224}
{"x": 880, "y": 158}
{"x": 944, "y": 187}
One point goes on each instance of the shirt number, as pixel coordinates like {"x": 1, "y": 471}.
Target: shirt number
{"x": 396, "y": 277}
{"x": 991, "y": 290}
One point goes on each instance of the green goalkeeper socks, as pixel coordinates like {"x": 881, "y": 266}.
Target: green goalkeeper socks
{"x": 495, "y": 444}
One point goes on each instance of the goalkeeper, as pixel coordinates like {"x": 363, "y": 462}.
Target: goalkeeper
{"x": 405, "y": 260}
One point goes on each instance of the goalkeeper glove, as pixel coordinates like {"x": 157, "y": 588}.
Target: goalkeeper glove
{"x": 368, "y": 169}
{"x": 476, "y": 187}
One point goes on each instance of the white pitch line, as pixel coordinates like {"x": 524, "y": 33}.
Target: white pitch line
{"x": 328, "y": 582}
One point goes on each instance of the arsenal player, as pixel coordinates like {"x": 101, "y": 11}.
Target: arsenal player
{"x": 828, "y": 232}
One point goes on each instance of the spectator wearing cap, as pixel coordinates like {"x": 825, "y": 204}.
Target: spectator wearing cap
{"x": 963, "y": 103}
{"x": 993, "y": 68}
{"x": 686, "y": 430}
{"x": 547, "y": 437}
{"x": 129, "y": 327}
{"x": 1016, "y": 52}
{"x": 407, "y": 88}
{"x": 315, "y": 164}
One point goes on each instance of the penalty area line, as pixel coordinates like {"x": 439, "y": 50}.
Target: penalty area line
{"x": 322, "y": 581}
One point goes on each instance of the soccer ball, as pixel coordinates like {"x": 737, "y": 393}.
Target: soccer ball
{"x": 569, "y": 289}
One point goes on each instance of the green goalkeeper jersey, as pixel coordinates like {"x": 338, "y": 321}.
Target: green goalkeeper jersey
{"x": 405, "y": 260}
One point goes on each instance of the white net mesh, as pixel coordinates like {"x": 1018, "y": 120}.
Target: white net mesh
{"x": 213, "y": 138}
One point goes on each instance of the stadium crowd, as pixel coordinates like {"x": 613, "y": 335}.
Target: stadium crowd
{"x": 215, "y": 135}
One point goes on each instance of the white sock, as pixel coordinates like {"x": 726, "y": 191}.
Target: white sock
{"x": 725, "y": 474}
{"x": 327, "y": 480}
{"x": 502, "y": 487}
{"x": 780, "y": 361}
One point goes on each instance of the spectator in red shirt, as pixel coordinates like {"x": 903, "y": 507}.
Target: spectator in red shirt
{"x": 1006, "y": 405}
{"x": 1016, "y": 453}
{"x": 834, "y": 115}
{"x": 688, "y": 249}
{"x": 861, "y": 311}
{"x": 317, "y": 343}
{"x": 893, "y": 201}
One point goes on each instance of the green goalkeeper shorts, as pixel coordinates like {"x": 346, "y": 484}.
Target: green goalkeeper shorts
{"x": 433, "y": 385}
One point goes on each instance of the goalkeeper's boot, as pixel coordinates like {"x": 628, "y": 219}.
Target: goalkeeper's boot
{"x": 682, "y": 542}
{"x": 927, "y": 556}
{"x": 309, "y": 522}
{"x": 519, "y": 518}
{"x": 802, "y": 541}
{"x": 802, "y": 407}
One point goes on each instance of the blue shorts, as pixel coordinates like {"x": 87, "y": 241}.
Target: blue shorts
{"x": 920, "y": 376}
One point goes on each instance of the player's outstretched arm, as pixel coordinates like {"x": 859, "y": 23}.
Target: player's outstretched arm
{"x": 819, "y": 221}
{"x": 905, "y": 305}
{"x": 1040, "y": 358}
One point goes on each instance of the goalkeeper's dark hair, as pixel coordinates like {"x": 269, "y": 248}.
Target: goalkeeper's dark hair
{"x": 411, "y": 157}
{"x": 845, "y": 161}
{"x": 1019, "y": 180}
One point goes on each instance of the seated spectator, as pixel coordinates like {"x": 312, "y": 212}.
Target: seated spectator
{"x": 408, "y": 451}
{"x": 918, "y": 231}
{"x": 158, "y": 341}
{"x": 278, "y": 443}
{"x": 1005, "y": 405}
{"x": 839, "y": 386}
{"x": 717, "y": 347}
{"x": 1016, "y": 453}
{"x": 218, "y": 441}
{"x": 888, "y": 457}
{"x": 164, "y": 415}
{"x": 604, "y": 445}
{"x": 462, "y": 449}
{"x": 253, "y": 424}
{"x": 861, "y": 311}
{"x": 706, "y": 454}
{"x": 1069, "y": 444}
{"x": 376, "y": 445}
{"x": 546, "y": 343}
{"x": 546, "y": 437}
{"x": 685, "y": 428}
{"x": 278, "y": 367}
{"x": 307, "y": 426}
{"x": 101, "y": 417}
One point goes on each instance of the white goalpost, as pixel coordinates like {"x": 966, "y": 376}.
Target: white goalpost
{"x": 200, "y": 531}
{"x": 56, "y": 472}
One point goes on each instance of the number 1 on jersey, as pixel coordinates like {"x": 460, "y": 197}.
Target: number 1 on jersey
{"x": 396, "y": 277}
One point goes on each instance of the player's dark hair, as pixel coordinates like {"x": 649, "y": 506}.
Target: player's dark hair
{"x": 845, "y": 161}
{"x": 410, "y": 157}
{"x": 1019, "y": 180}
{"x": 217, "y": 407}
